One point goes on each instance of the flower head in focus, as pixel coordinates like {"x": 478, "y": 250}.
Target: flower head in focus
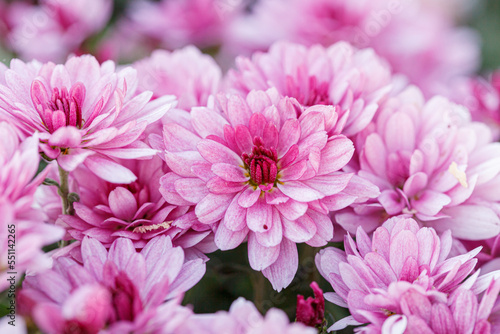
{"x": 84, "y": 113}
{"x": 261, "y": 167}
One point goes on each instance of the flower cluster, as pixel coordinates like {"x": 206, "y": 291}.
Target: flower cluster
{"x": 164, "y": 161}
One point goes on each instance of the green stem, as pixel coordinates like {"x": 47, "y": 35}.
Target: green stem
{"x": 64, "y": 192}
{"x": 259, "y": 290}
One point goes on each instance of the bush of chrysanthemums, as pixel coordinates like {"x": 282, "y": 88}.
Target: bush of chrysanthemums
{"x": 199, "y": 166}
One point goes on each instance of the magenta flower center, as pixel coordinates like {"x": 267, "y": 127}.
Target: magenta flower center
{"x": 262, "y": 163}
{"x": 62, "y": 108}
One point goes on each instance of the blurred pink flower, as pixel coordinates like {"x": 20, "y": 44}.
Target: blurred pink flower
{"x": 85, "y": 113}
{"x": 24, "y": 232}
{"x": 177, "y": 23}
{"x": 399, "y": 251}
{"x": 418, "y": 41}
{"x": 430, "y": 163}
{"x": 120, "y": 289}
{"x": 311, "y": 311}
{"x": 107, "y": 211}
{"x": 244, "y": 318}
{"x": 186, "y": 73}
{"x": 354, "y": 80}
{"x": 261, "y": 167}
{"x": 53, "y": 29}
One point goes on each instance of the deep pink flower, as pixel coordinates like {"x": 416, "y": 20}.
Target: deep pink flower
{"x": 430, "y": 163}
{"x": 186, "y": 73}
{"x": 262, "y": 168}
{"x": 85, "y": 113}
{"x": 244, "y": 318}
{"x": 419, "y": 42}
{"x": 28, "y": 233}
{"x": 119, "y": 289}
{"x": 364, "y": 277}
{"x": 53, "y": 29}
{"x": 354, "y": 80}
{"x": 107, "y": 211}
{"x": 311, "y": 311}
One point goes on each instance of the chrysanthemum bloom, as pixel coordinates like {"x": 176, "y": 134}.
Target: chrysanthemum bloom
{"x": 407, "y": 308}
{"x": 398, "y": 251}
{"x": 244, "y": 318}
{"x": 354, "y": 80}
{"x": 107, "y": 211}
{"x": 53, "y": 29}
{"x": 428, "y": 162}
{"x": 420, "y": 43}
{"x": 186, "y": 73}
{"x": 311, "y": 311}
{"x": 24, "y": 232}
{"x": 85, "y": 113}
{"x": 119, "y": 289}
{"x": 264, "y": 168}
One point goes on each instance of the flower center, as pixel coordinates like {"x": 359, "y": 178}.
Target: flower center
{"x": 261, "y": 163}
{"x": 62, "y": 108}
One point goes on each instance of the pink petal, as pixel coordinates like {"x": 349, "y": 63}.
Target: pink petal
{"x": 66, "y": 136}
{"x": 300, "y": 230}
{"x": 403, "y": 246}
{"x": 77, "y": 156}
{"x": 212, "y": 207}
{"x": 226, "y": 239}
{"x": 207, "y": 122}
{"x": 400, "y": 133}
{"x": 215, "y": 152}
{"x": 230, "y": 172}
{"x": 274, "y": 235}
{"x": 243, "y": 139}
{"x": 248, "y": 197}
{"x": 470, "y": 222}
{"x": 415, "y": 183}
{"x": 122, "y": 203}
{"x": 329, "y": 184}
{"x": 109, "y": 170}
{"x": 336, "y": 154}
{"x": 299, "y": 191}
{"x": 218, "y": 185}
{"x": 235, "y": 217}
{"x": 289, "y": 135}
{"x": 292, "y": 209}
{"x": 261, "y": 257}
{"x": 282, "y": 271}
{"x": 259, "y": 216}
{"x": 430, "y": 203}
{"x": 191, "y": 189}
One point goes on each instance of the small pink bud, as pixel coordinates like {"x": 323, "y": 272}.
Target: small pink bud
{"x": 311, "y": 311}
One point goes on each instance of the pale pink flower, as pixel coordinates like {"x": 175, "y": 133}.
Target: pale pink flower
{"x": 410, "y": 309}
{"x": 418, "y": 42}
{"x": 24, "y": 232}
{"x": 53, "y": 29}
{"x": 244, "y": 318}
{"x": 354, "y": 80}
{"x": 119, "y": 289}
{"x": 186, "y": 73}
{"x": 107, "y": 211}
{"x": 263, "y": 168}
{"x": 399, "y": 251}
{"x": 429, "y": 163}
{"x": 85, "y": 113}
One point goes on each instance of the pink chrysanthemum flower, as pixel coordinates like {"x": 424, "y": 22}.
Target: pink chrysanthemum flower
{"x": 354, "y": 80}
{"x": 53, "y": 29}
{"x": 85, "y": 113}
{"x": 422, "y": 44}
{"x": 429, "y": 162}
{"x": 107, "y": 211}
{"x": 244, "y": 318}
{"x": 186, "y": 73}
{"x": 23, "y": 231}
{"x": 311, "y": 311}
{"x": 407, "y": 308}
{"x": 120, "y": 289}
{"x": 399, "y": 251}
{"x": 262, "y": 168}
